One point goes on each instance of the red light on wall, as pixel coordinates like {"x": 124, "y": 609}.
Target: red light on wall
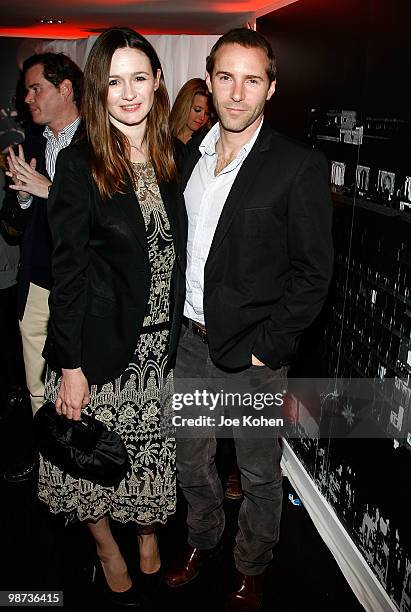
{"x": 248, "y": 6}
{"x": 73, "y": 31}
{"x": 40, "y": 30}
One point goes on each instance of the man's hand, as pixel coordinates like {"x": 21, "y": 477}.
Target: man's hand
{"x": 73, "y": 394}
{"x": 26, "y": 180}
{"x": 256, "y": 362}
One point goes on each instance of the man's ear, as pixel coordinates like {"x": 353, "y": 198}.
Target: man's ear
{"x": 66, "y": 88}
{"x": 271, "y": 90}
{"x": 208, "y": 82}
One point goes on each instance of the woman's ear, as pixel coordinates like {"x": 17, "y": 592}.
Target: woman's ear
{"x": 157, "y": 79}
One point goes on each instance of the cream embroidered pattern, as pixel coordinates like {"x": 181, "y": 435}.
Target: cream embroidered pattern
{"x": 136, "y": 404}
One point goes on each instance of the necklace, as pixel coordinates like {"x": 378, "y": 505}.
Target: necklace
{"x": 141, "y": 151}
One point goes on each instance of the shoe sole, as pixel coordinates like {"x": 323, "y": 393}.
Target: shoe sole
{"x": 183, "y": 584}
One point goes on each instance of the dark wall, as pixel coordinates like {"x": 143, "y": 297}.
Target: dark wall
{"x": 351, "y": 54}
{"x": 356, "y": 55}
{"x": 11, "y": 131}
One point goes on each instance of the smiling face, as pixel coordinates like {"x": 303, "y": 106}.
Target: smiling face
{"x": 240, "y": 86}
{"x": 131, "y": 88}
{"x": 199, "y": 113}
{"x": 45, "y": 101}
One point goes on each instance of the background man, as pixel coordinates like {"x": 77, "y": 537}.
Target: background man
{"x": 259, "y": 261}
{"x": 53, "y": 83}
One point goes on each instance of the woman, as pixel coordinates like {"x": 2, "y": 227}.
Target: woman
{"x": 191, "y": 110}
{"x": 113, "y": 218}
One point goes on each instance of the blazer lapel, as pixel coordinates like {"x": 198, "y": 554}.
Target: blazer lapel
{"x": 244, "y": 181}
{"x": 169, "y": 195}
{"x": 131, "y": 211}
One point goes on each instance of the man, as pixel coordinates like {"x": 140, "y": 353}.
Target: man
{"x": 53, "y": 83}
{"x": 259, "y": 261}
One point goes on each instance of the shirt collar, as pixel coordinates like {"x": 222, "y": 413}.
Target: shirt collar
{"x": 66, "y": 133}
{"x": 209, "y": 142}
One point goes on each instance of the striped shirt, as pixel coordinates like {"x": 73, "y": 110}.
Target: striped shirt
{"x": 53, "y": 147}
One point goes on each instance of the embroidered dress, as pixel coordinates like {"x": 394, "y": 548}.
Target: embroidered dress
{"x": 136, "y": 404}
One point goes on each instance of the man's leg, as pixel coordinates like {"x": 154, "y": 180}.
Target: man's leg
{"x": 196, "y": 473}
{"x": 260, "y": 512}
{"x": 196, "y": 469}
{"x": 261, "y": 479}
{"x": 200, "y": 483}
{"x": 259, "y": 464}
{"x": 33, "y": 328}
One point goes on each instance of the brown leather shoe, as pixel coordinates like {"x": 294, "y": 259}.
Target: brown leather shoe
{"x": 249, "y": 595}
{"x": 188, "y": 566}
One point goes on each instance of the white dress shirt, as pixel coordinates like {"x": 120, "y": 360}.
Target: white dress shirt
{"x": 53, "y": 147}
{"x": 205, "y": 196}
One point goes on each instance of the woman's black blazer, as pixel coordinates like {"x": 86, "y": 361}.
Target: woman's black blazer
{"x": 101, "y": 271}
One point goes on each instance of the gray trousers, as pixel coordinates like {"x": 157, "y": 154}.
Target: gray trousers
{"x": 258, "y": 461}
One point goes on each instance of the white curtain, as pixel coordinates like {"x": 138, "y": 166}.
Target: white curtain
{"x": 75, "y": 49}
{"x": 182, "y": 56}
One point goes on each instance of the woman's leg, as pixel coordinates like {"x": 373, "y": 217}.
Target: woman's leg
{"x": 112, "y": 561}
{"x": 150, "y": 561}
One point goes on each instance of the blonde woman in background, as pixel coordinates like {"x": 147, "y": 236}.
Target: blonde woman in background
{"x": 191, "y": 110}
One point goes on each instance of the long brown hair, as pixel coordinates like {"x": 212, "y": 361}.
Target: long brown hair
{"x": 109, "y": 147}
{"x": 183, "y": 103}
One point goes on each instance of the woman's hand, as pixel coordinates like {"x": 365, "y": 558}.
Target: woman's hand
{"x": 73, "y": 394}
{"x": 26, "y": 180}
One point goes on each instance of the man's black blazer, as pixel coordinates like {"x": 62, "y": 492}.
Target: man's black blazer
{"x": 101, "y": 271}
{"x": 36, "y": 244}
{"x": 36, "y": 241}
{"x": 270, "y": 261}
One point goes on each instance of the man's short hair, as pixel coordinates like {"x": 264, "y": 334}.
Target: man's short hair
{"x": 56, "y": 68}
{"x": 246, "y": 38}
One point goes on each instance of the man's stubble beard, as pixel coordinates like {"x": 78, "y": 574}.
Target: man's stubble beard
{"x": 242, "y": 123}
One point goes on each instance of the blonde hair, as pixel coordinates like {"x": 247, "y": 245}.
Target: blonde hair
{"x": 184, "y": 102}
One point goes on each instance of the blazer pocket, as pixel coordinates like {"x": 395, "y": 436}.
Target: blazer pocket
{"x": 101, "y": 307}
{"x": 257, "y": 207}
{"x": 256, "y": 223}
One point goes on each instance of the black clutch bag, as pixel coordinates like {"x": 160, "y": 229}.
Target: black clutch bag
{"x": 83, "y": 449}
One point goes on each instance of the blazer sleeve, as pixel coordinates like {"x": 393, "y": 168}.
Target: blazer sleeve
{"x": 310, "y": 253}
{"x": 69, "y": 214}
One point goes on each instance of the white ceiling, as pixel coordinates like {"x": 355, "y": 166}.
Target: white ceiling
{"x": 85, "y": 17}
